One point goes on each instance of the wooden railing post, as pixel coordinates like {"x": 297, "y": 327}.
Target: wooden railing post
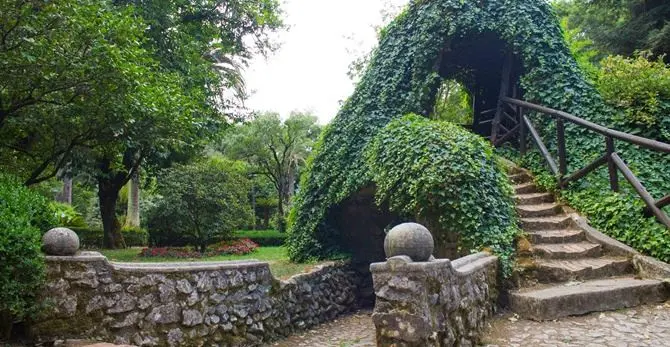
{"x": 562, "y": 160}
{"x": 522, "y": 133}
{"x": 611, "y": 166}
{"x": 504, "y": 88}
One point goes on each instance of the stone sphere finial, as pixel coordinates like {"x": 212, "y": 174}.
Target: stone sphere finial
{"x": 60, "y": 241}
{"x": 410, "y": 239}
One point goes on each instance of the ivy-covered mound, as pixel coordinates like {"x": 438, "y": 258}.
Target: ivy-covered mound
{"x": 447, "y": 178}
{"x": 403, "y": 77}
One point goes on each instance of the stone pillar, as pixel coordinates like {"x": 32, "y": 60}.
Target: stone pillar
{"x": 407, "y": 294}
{"x": 433, "y": 302}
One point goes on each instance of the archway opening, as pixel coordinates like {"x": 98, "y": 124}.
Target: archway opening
{"x": 473, "y": 68}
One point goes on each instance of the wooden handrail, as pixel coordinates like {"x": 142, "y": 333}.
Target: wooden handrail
{"x": 638, "y": 140}
{"x": 614, "y": 163}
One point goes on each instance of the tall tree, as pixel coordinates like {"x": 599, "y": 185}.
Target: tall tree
{"x": 275, "y": 149}
{"x": 620, "y": 26}
{"x": 198, "y": 41}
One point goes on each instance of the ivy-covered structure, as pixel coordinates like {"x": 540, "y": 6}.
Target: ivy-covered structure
{"x": 430, "y": 41}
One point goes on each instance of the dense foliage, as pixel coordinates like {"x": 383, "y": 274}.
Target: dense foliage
{"x": 201, "y": 203}
{"x": 403, "y": 77}
{"x": 639, "y": 90}
{"x": 620, "y": 26}
{"x": 448, "y": 178}
{"x": 24, "y": 216}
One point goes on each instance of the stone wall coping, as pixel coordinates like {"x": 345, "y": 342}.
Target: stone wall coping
{"x": 91, "y": 256}
{"x": 470, "y": 264}
{"x": 187, "y": 266}
{"x": 463, "y": 266}
{"x": 83, "y": 256}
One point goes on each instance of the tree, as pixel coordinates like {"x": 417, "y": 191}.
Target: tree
{"x": 275, "y": 150}
{"x": 620, "y": 27}
{"x": 196, "y": 41}
{"x": 202, "y": 202}
{"x": 99, "y": 88}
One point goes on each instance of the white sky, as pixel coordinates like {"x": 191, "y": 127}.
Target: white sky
{"x": 309, "y": 72}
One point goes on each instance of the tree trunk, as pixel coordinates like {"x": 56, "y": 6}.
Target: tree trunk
{"x": 266, "y": 213}
{"x": 281, "y": 225}
{"x": 253, "y": 206}
{"x": 292, "y": 172}
{"x": 108, "y": 193}
{"x": 133, "y": 210}
{"x": 65, "y": 196}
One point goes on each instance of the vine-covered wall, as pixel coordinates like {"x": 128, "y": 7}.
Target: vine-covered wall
{"x": 402, "y": 78}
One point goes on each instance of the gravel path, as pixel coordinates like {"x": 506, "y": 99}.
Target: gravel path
{"x": 636, "y": 327}
{"x": 355, "y": 330}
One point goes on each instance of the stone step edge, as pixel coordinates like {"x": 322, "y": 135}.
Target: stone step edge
{"x": 553, "y": 302}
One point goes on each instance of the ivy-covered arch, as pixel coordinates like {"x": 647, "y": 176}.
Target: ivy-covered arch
{"x": 421, "y": 47}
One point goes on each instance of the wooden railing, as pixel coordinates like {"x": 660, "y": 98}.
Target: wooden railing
{"x": 614, "y": 162}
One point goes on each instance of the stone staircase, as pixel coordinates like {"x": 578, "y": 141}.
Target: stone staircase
{"x": 562, "y": 273}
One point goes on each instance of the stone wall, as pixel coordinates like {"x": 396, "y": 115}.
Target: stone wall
{"x": 188, "y": 304}
{"x": 434, "y": 303}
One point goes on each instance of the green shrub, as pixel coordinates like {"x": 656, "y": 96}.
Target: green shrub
{"x": 67, "y": 216}
{"x": 447, "y": 177}
{"x": 24, "y": 215}
{"x": 262, "y": 237}
{"x": 202, "y": 203}
{"x": 639, "y": 90}
{"x": 135, "y": 236}
{"x": 90, "y": 238}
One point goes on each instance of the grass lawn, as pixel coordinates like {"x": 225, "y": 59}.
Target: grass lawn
{"x": 280, "y": 265}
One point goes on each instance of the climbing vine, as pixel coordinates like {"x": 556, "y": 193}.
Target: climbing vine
{"x": 448, "y": 178}
{"x": 403, "y": 77}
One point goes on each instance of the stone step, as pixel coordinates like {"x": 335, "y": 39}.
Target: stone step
{"x": 522, "y": 177}
{"x": 533, "y": 198}
{"x": 576, "y": 298}
{"x": 514, "y": 169}
{"x": 556, "y": 236}
{"x": 525, "y": 188}
{"x": 539, "y": 210}
{"x": 567, "y": 250}
{"x": 546, "y": 223}
{"x": 564, "y": 270}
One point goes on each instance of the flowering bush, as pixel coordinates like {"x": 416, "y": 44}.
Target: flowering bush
{"x": 235, "y": 247}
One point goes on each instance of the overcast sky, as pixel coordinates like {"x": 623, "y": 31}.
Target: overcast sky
{"x": 309, "y": 72}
